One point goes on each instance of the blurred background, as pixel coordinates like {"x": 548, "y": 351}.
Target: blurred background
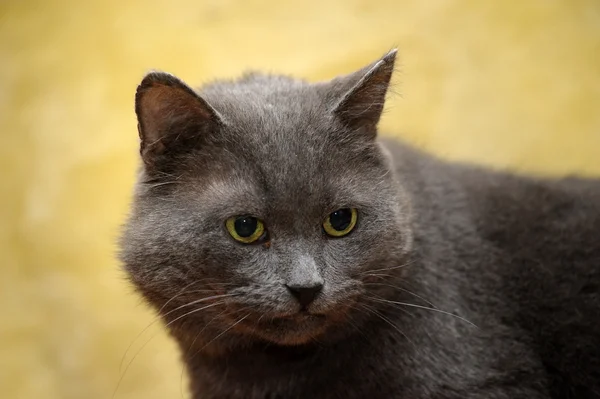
{"x": 504, "y": 83}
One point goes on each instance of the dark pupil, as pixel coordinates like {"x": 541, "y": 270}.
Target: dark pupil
{"x": 340, "y": 219}
{"x": 245, "y": 226}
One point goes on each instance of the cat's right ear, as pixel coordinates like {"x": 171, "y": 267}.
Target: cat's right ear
{"x": 172, "y": 118}
{"x": 357, "y": 99}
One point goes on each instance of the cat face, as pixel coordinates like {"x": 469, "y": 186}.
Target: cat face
{"x": 263, "y": 204}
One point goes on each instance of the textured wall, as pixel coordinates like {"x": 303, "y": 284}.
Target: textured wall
{"x": 509, "y": 83}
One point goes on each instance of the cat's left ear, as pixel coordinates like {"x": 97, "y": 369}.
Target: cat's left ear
{"x": 358, "y": 98}
{"x": 172, "y": 118}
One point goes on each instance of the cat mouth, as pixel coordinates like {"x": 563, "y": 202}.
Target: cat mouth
{"x": 291, "y": 329}
{"x": 301, "y": 316}
{"x": 299, "y": 321}
{"x": 297, "y": 327}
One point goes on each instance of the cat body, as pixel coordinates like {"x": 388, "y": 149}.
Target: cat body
{"x": 453, "y": 281}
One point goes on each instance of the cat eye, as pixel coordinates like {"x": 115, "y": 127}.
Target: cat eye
{"x": 245, "y": 229}
{"x": 340, "y": 222}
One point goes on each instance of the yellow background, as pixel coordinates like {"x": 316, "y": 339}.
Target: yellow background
{"x": 508, "y": 83}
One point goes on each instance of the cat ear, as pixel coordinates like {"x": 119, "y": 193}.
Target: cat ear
{"x": 171, "y": 117}
{"x": 360, "y": 96}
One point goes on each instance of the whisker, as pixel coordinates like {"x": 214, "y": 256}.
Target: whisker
{"x": 152, "y": 323}
{"x": 422, "y": 307}
{"x": 355, "y": 326}
{"x": 193, "y": 311}
{"x": 192, "y": 345}
{"x": 153, "y": 336}
{"x": 159, "y": 317}
{"x": 176, "y": 295}
{"x": 388, "y": 321}
{"x": 224, "y": 331}
{"x": 380, "y": 275}
{"x": 260, "y": 318}
{"x": 409, "y": 263}
{"x": 199, "y": 301}
{"x": 151, "y": 186}
{"x": 405, "y": 290}
{"x": 207, "y": 324}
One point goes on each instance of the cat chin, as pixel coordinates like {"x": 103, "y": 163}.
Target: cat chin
{"x": 294, "y": 330}
{"x": 291, "y": 338}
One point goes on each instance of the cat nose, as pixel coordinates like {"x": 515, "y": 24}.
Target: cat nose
{"x": 305, "y": 294}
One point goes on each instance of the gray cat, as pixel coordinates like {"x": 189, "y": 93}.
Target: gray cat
{"x": 293, "y": 254}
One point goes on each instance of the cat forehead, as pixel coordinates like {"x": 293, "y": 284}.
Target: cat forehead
{"x": 265, "y": 99}
{"x": 281, "y": 129}
{"x": 243, "y": 191}
{"x": 288, "y": 178}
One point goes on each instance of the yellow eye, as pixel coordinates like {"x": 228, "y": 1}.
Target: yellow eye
{"x": 245, "y": 229}
{"x": 340, "y": 222}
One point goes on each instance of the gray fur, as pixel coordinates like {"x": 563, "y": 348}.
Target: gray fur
{"x": 516, "y": 256}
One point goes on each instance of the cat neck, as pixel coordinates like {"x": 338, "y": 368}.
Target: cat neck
{"x": 232, "y": 367}
{"x": 264, "y": 367}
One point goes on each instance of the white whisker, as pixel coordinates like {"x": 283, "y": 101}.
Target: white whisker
{"x": 224, "y": 331}
{"x": 152, "y": 322}
{"x": 422, "y": 307}
{"x": 153, "y": 336}
{"x": 379, "y": 275}
{"x": 405, "y": 290}
{"x": 160, "y": 316}
{"x": 382, "y": 317}
{"x": 391, "y": 268}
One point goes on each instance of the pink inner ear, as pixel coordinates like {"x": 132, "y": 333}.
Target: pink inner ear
{"x": 152, "y": 107}
{"x": 162, "y": 107}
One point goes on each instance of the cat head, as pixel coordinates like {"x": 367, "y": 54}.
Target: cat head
{"x": 263, "y": 203}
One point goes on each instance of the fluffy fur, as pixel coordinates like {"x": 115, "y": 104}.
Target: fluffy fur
{"x": 456, "y": 283}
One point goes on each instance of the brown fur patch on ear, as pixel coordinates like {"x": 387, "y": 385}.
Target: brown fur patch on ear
{"x": 170, "y": 114}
